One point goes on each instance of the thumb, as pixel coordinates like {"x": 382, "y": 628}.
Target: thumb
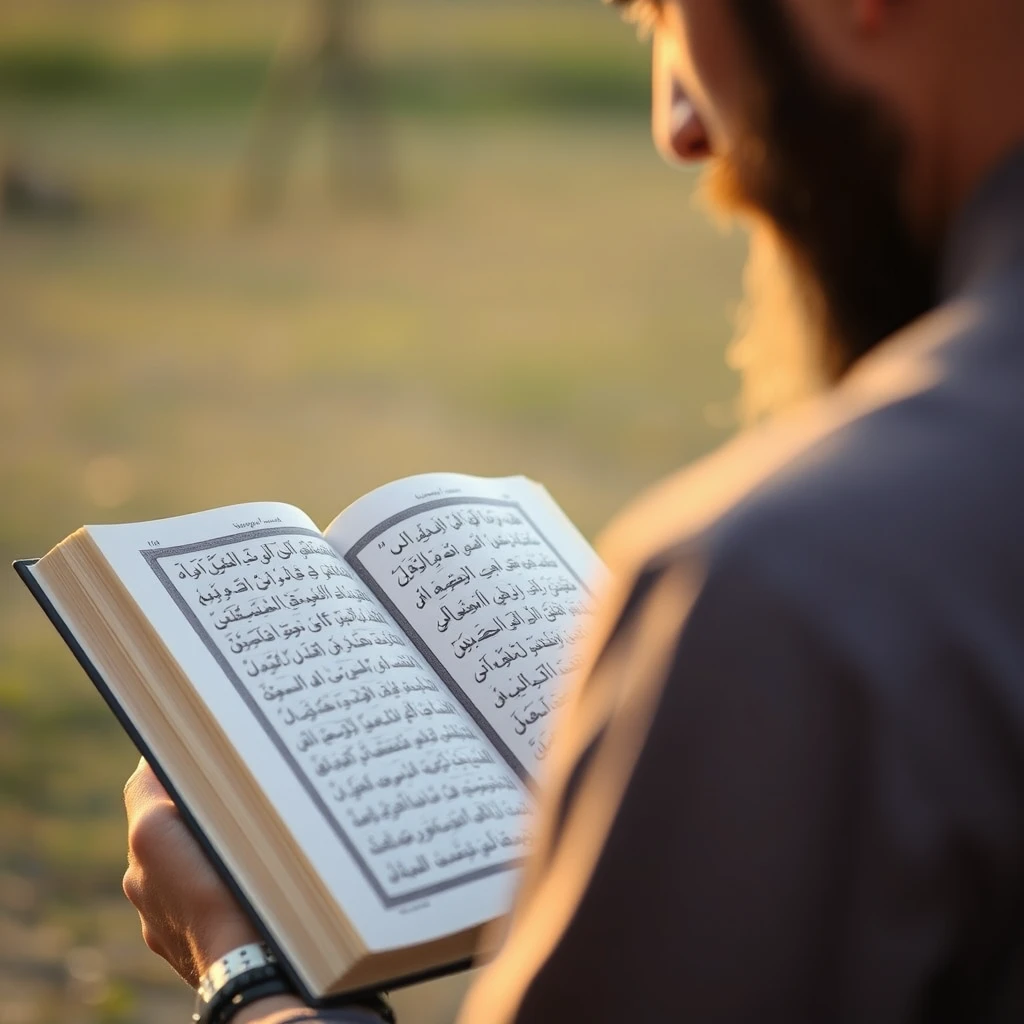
{"x": 143, "y": 788}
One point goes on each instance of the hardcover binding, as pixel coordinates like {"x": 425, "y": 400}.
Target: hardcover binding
{"x": 23, "y": 567}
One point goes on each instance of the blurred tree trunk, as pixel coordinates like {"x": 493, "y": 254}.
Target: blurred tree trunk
{"x": 329, "y": 65}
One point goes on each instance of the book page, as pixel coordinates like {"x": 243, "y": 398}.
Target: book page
{"x": 493, "y": 584}
{"x": 394, "y": 793}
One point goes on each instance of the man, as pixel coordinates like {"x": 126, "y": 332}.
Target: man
{"x": 791, "y": 784}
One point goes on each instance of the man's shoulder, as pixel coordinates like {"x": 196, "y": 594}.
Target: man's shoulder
{"x": 906, "y": 459}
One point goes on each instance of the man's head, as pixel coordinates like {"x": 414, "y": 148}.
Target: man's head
{"x": 848, "y": 132}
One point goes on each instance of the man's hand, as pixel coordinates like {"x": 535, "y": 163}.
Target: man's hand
{"x": 188, "y": 915}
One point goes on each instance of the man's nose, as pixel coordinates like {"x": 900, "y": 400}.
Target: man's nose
{"x": 688, "y": 137}
{"x": 679, "y": 132}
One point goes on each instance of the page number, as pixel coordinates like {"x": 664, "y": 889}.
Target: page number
{"x": 152, "y": 543}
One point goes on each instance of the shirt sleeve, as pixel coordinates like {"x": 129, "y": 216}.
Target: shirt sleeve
{"x": 343, "y": 1015}
{"x": 726, "y": 838}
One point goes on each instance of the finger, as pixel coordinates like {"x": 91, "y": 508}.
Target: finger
{"x": 142, "y": 789}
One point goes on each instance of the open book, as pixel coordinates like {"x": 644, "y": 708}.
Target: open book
{"x": 350, "y": 719}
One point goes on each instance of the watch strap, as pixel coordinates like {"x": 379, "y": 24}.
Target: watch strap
{"x": 229, "y": 1007}
{"x": 256, "y": 983}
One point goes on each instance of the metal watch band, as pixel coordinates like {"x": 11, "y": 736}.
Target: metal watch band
{"x": 231, "y": 965}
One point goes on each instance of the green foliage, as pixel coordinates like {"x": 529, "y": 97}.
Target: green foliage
{"x": 205, "y": 84}
{"x": 56, "y": 71}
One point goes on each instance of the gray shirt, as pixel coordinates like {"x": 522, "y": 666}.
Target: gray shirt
{"x": 790, "y": 786}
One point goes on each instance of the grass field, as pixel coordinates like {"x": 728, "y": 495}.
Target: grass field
{"x": 541, "y": 298}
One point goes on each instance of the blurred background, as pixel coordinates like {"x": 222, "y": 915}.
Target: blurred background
{"x": 257, "y": 249}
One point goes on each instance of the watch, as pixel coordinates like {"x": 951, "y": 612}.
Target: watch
{"x": 252, "y": 972}
{"x": 236, "y": 979}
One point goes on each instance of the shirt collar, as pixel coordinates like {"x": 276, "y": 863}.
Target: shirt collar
{"x": 988, "y": 234}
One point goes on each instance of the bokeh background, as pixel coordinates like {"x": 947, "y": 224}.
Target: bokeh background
{"x": 289, "y": 249}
